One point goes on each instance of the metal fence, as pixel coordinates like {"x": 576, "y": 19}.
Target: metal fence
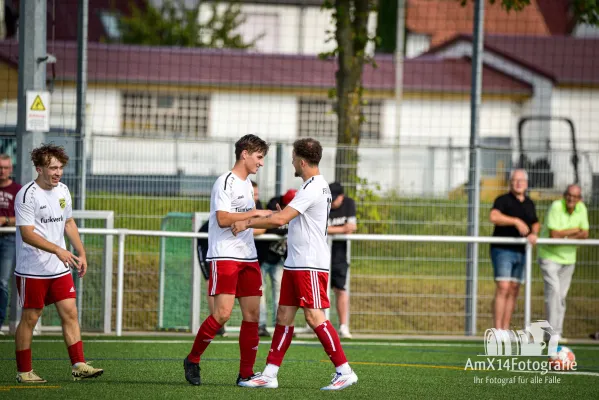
{"x": 399, "y": 284}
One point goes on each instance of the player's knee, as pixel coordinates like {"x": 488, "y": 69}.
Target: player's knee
{"x": 70, "y": 315}
{"x": 30, "y": 318}
{"x": 221, "y": 316}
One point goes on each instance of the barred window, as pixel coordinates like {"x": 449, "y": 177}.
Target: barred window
{"x": 317, "y": 119}
{"x": 163, "y": 115}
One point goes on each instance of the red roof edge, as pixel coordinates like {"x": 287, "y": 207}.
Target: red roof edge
{"x": 461, "y": 37}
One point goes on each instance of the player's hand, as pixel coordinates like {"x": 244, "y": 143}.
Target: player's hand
{"x": 82, "y": 267}
{"x": 279, "y": 209}
{"x": 523, "y": 229}
{"x": 532, "y": 239}
{"x": 262, "y": 213}
{"x": 68, "y": 259}
{"x": 238, "y": 227}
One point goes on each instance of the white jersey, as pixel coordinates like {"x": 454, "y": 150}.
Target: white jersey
{"x": 47, "y": 211}
{"x": 307, "y": 247}
{"x": 233, "y": 195}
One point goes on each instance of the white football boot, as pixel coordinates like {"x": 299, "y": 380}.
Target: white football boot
{"x": 260, "y": 381}
{"x": 341, "y": 381}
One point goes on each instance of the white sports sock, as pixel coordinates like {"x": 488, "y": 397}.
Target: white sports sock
{"x": 343, "y": 369}
{"x": 271, "y": 370}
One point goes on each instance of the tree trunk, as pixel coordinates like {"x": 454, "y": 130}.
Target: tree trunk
{"x": 352, "y": 37}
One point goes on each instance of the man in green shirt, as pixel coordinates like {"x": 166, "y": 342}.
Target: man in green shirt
{"x": 566, "y": 219}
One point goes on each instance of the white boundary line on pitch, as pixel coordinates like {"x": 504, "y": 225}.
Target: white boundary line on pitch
{"x": 352, "y": 343}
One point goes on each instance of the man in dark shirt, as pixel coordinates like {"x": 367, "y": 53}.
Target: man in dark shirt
{"x": 514, "y": 215}
{"x": 271, "y": 254}
{"x": 8, "y": 192}
{"x": 342, "y": 220}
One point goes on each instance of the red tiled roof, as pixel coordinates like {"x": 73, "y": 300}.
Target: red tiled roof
{"x": 443, "y": 19}
{"x": 558, "y": 16}
{"x": 204, "y": 67}
{"x": 567, "y": 60}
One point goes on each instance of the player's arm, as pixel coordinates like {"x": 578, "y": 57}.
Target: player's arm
{"x": 274, "y": 220}
{"x": 226, "y": 219}
{"x": 25, "y": 221}
{"x": 33, "y": 239}
{"x": 72, "y": 232}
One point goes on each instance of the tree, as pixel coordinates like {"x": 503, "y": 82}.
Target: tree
{"x": 351, "y": 35}
{"x": 173, "y": 23}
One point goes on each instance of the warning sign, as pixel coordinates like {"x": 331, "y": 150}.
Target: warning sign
{"x": 38, "y": 111}
{"x": 38, "y": 104}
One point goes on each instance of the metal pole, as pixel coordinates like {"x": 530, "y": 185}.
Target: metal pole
{"x": 81, "y": 166}
{"x": 399, "y": 50}
{"x": 120, "y": 282}
{"x": 474, "y": 171}
{"x": 279, "y": 170}
{"x": 161, "y": 284}
{"x": 528, "y": 287}
{"x": 32, "y": 76}
{"x": 327, "y": 312}
{"x": 108, "y": 276}
{"x": 348, "y": 280}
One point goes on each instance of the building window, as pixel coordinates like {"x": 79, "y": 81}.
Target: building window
{"x": 317, "y": 119}
{"x": 164, "y": 115}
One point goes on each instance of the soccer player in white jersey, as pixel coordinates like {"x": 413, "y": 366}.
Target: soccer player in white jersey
{"x": 235, "y": 271}
{"x": 306, "y": 273}
{"x": 43, "y": 212}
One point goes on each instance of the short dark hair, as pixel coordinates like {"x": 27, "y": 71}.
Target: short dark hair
{"x": 42, "y": 156}
{"x": 309, "y": 149}
{"x": 251, "y": 143}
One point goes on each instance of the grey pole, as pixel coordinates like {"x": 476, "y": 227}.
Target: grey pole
{"x": 81, "y": 167}
{"x": 80, "y": 146}
{"x": 399, "y": 50}
{"x": 279, "y": 170}
{"x": 474, "y": 170}
{"x": 32, "y": 76}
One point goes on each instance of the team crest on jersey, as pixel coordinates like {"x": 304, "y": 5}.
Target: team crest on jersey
{"x": 63, "y": 203}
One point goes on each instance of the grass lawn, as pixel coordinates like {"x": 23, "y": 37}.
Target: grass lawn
{"x": 147, "y": 368}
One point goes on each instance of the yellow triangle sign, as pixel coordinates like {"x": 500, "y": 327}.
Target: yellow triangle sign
{"x": 38, "y": 105}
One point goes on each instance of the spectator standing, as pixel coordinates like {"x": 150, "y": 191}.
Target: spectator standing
{"x": 566, "y": 219}
{"x": 8, "y": 192}
{"x": 514, "y": 215}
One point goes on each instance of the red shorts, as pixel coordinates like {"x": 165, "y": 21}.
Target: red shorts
{"x": 37, "y": 293}
{"x": 241, "y": 278}
{"x": 304, "y": 288}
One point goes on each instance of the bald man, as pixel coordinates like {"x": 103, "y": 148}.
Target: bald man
{"x": 567, "y": 218}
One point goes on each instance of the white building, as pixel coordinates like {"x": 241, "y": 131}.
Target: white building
{"x": 163, "y": 111}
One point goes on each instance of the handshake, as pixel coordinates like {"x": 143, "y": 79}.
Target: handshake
{"x": 240, "y": 226}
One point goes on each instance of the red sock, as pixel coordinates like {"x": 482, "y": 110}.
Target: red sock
{"x": 248, "y": 347}
{"x": 281, "y": 340}
{"x": 76, "y": 352}
{"x": 203, "y": 338}
{"x": 24, "y": 360}
{"x": 330, "y": 341}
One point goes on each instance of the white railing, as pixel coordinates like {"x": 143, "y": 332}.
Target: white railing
{"x": 195, "y": 317}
